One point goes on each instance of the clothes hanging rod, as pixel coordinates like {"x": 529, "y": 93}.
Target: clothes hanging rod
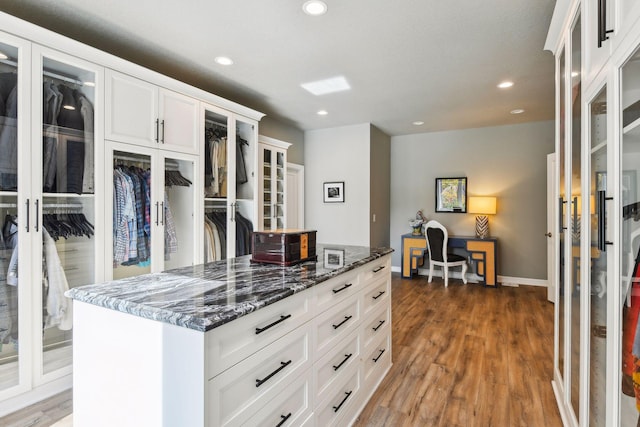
{"x": 62, "y": 205}
{"x": 213, "y": 122}
{"x": 48, "y": 73}
{"x": 8, "y": 205}
{"x": 132, "y": 159}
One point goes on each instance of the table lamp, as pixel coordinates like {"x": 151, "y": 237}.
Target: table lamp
{"x": 485, "y": 205}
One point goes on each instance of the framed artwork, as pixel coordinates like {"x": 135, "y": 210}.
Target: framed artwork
{"x": 333, "y": 258}
{"x": 451, "y": 195}
{"x": 333, "y": 192}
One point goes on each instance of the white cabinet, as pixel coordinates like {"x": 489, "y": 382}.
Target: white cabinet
{"x": 153, "y": 200}
{"x": 273, "y": 184}
{"x": 596, "y": 303}
{"x": 52, "y": 203}
{"x": 230, "y": 158}
{"x": 138, "y": 112}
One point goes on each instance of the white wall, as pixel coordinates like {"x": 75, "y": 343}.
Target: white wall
{"x": 338, "y": 154}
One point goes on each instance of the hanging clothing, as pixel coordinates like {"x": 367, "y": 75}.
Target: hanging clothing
{"x": 170, "y": 236}
{"x": 59, "y": 307}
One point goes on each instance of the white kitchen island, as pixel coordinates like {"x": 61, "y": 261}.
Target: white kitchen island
{"x": 235, "y": 343}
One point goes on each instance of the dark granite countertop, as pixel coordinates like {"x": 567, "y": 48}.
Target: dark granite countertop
{"x": 206, "y": 296}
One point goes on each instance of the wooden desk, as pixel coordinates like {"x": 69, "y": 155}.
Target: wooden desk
{"x": 482, "y": 251}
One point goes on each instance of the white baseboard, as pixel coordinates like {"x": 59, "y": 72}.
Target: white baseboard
{"x": 474, "y": 278}
{"x": 35, "y": 395}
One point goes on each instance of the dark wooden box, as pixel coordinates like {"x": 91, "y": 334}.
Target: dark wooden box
{"x": 283, "y": 247}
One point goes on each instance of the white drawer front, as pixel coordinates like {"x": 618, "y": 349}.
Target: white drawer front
{"x": 340, "y": 403}
{"x": 335, "y": 290}
{"x": 290, "y": 408}
{"x": 376, "y": 324}
{"x": 242, "y": 337}
{"x": 261, "y": 376}
{"x": 335, "y": 364}
{"x": 377, "y": 294}
{"x": 335, "y": 324}
{"x": 376, "y": 361}
{"x": 375, "y": 269}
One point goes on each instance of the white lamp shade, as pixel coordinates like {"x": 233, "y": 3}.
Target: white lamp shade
{"x": 485, "y": 205}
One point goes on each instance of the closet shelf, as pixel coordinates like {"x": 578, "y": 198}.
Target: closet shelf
{"x": 598, "y": 147}
{"x": 631, "y": 127}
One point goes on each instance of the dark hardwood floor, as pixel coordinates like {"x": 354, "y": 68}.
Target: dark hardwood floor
{"x": 462, "y": 356}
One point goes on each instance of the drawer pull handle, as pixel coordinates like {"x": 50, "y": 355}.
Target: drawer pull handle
{"x": 379, "y": 325}
{"x": 281, "y": 319}
{"x": 268, "y": 377}
{"x": 348, "y": 285}
{"x": 379, "y": 295}
{"x": 337, "y": 408}
{"x": 379, "y": 356}
{"x": 346, "y": 318}
{"x": 346, "y": 357}
{"x": 375, "y": 270}
{"x": 284, "y": 419}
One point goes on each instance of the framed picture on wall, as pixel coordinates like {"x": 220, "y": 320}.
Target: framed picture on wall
{"x": 333, "y": 192}
{"x": 451, "y": 195}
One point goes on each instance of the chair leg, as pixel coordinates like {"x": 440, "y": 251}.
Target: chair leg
{"x": 430, "y": 271}
{"x": 464, "y": 273}
{"x": 445, "y": 270}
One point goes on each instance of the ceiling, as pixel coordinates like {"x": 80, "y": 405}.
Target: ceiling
{"x": 410, "y": 60}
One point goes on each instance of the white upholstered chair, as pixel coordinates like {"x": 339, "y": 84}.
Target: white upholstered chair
{"x": 437, "y": 240}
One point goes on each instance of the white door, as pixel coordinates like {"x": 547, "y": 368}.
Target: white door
{"x": 551, "y": 228}
{"x": 179, "y": 129}
{"x": 295, "y": 196}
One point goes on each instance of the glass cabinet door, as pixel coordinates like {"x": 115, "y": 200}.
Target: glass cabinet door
{"x": 245, "y": 184}
{"x": 576, "y": 226}
{"x": 135, "y": 210}
{"x": 628, "y": 385}
{"x": 14, "y": 212}
{"x": 562, "y": 195}
{"x": 268, "y": 202}
{"x": 279, "y": 190}
{"x": 216, "y": 207}
{"x": 598, "y": 295}
{"x": 178, "y": 208}
{"x": 68, "y": 205}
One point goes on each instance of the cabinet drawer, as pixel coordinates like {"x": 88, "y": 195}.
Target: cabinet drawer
{"x": 334, "y": 290}
{"x": 263, "y": 375}
{"x": 375, "y": 269}
{"x": 337, "y": 363}
{"x": 236, "y": 340}
{"x": 376, "y": 362}
{"x": 376, "y": 324}
{"x": 335, "y": 324}
{"x": 290, "y": 408}
{"x": 377, "y": 294}
{"x": 333, "y": 410}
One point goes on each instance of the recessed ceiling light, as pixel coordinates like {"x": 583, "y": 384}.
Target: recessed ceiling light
{"x": 505, "y": 85}
{"x": 323, "y": 87}
{"x": 323, "y": 112}
{"x": 517, "y": 111}
{"x": 223, "y": 60}
{"x": 418, "y": 123}
{"x": 314, "y": 7}
{"x": 3, "y": 56}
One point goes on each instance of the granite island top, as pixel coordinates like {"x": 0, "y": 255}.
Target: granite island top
{"x": 206, "y": 296}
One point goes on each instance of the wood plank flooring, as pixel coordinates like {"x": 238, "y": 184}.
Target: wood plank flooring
{"x": 462, "y": 356}
{"x": 467, "y": 356}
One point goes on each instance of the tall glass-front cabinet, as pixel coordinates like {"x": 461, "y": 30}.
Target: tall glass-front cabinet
{"x": 272, "y": 158}
{"x": 597, "y": 351}
{"x": 51, "y": 202}
{"x": 102, "y": 175}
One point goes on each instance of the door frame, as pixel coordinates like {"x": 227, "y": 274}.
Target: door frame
{"x": 298, "y": 170}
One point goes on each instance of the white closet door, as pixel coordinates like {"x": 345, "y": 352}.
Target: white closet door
{"x": 179, "y": 124}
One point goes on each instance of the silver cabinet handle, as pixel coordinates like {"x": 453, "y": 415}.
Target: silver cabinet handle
{"x": 37, "y": 214}
{"x": 162, "y": 127}
{"x": 157, "y": 130}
